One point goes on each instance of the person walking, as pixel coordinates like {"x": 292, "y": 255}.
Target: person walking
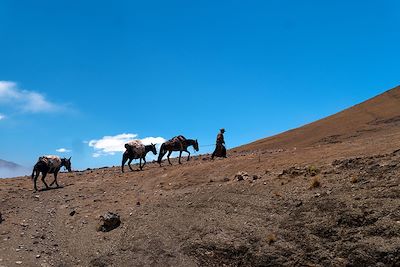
{"x": 220, "y": 150}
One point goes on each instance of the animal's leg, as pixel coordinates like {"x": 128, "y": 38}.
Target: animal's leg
{"x": 188, "y": 155}
{"x": 161, "y": 154}
{"x": 169, "y": 154}
{"x": 144, "y": 161}
{"x": 180, "y": 154}
{"x": 43, "y": 177}
{"x": 129, "y": 164}
{"x": 55, "y": 180}
{"x": 124, "y": 159}
{"x": 35, "y": 179}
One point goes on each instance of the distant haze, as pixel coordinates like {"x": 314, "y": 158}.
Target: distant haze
{"x": 10, "y": 169}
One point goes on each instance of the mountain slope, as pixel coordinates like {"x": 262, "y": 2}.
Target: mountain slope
{"x": 332, "y": 201}
{"x": 11, "y": 169}
{"x": 8, "y": 164}
{"x": 373, "y": 115}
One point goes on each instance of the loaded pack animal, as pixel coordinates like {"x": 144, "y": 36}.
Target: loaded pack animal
{"x": 136, "y": 150}
{"x": 178, "y": 143}
{"x": 49, "y": 164}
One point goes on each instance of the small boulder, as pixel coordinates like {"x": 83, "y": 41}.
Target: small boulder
{"x": 109, "y": 222}
{"x": 240, "y": 176}
{"x": 298, "y": 203}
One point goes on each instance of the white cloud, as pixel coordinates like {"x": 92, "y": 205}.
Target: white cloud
{"x": 27, "y": 101}
{"x": 63, "y": 150}
{"x": 2, "y": 116}
{"x": 109, "y": 145}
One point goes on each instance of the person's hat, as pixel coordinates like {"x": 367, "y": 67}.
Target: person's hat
{"x": 222, "y": 130}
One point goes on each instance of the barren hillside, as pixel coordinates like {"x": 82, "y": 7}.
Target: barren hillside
{"x": 376, "y": 115}
{"x": 326, "y": 194}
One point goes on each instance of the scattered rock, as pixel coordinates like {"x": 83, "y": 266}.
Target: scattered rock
{"x": 109, "y": 222}
{"x": 226, "y": 179}
{"x": 298, "y": 203}
{"x": 72, "y": 213}
{"x": 138, "y": 203}
{"x": 240, "y": 176}
{"x": 293, "y": 172}
{"x": 256, "y": 177}
{"x": 1, "y": 218}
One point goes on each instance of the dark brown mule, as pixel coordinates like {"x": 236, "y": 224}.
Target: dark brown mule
{"x": 178, "y": 143}
{"x": 43, "y": 166}
{"x": 131, "y": 155}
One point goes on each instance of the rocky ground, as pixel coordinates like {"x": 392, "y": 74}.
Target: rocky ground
{"x": 326, "y": 194}
{"x": 247, "y": 210}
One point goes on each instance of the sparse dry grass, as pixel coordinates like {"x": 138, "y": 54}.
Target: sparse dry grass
{"x": 315, "y": 182}
{"x": 312, "y": 170}
{"x": 271, "y": 238}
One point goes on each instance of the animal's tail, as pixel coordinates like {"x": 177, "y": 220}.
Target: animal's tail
{"x": 161, "y": 153}
{"x": 33, "y": 172}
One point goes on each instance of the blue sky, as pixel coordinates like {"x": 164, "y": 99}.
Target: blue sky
{"x": 72, "y": 72}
